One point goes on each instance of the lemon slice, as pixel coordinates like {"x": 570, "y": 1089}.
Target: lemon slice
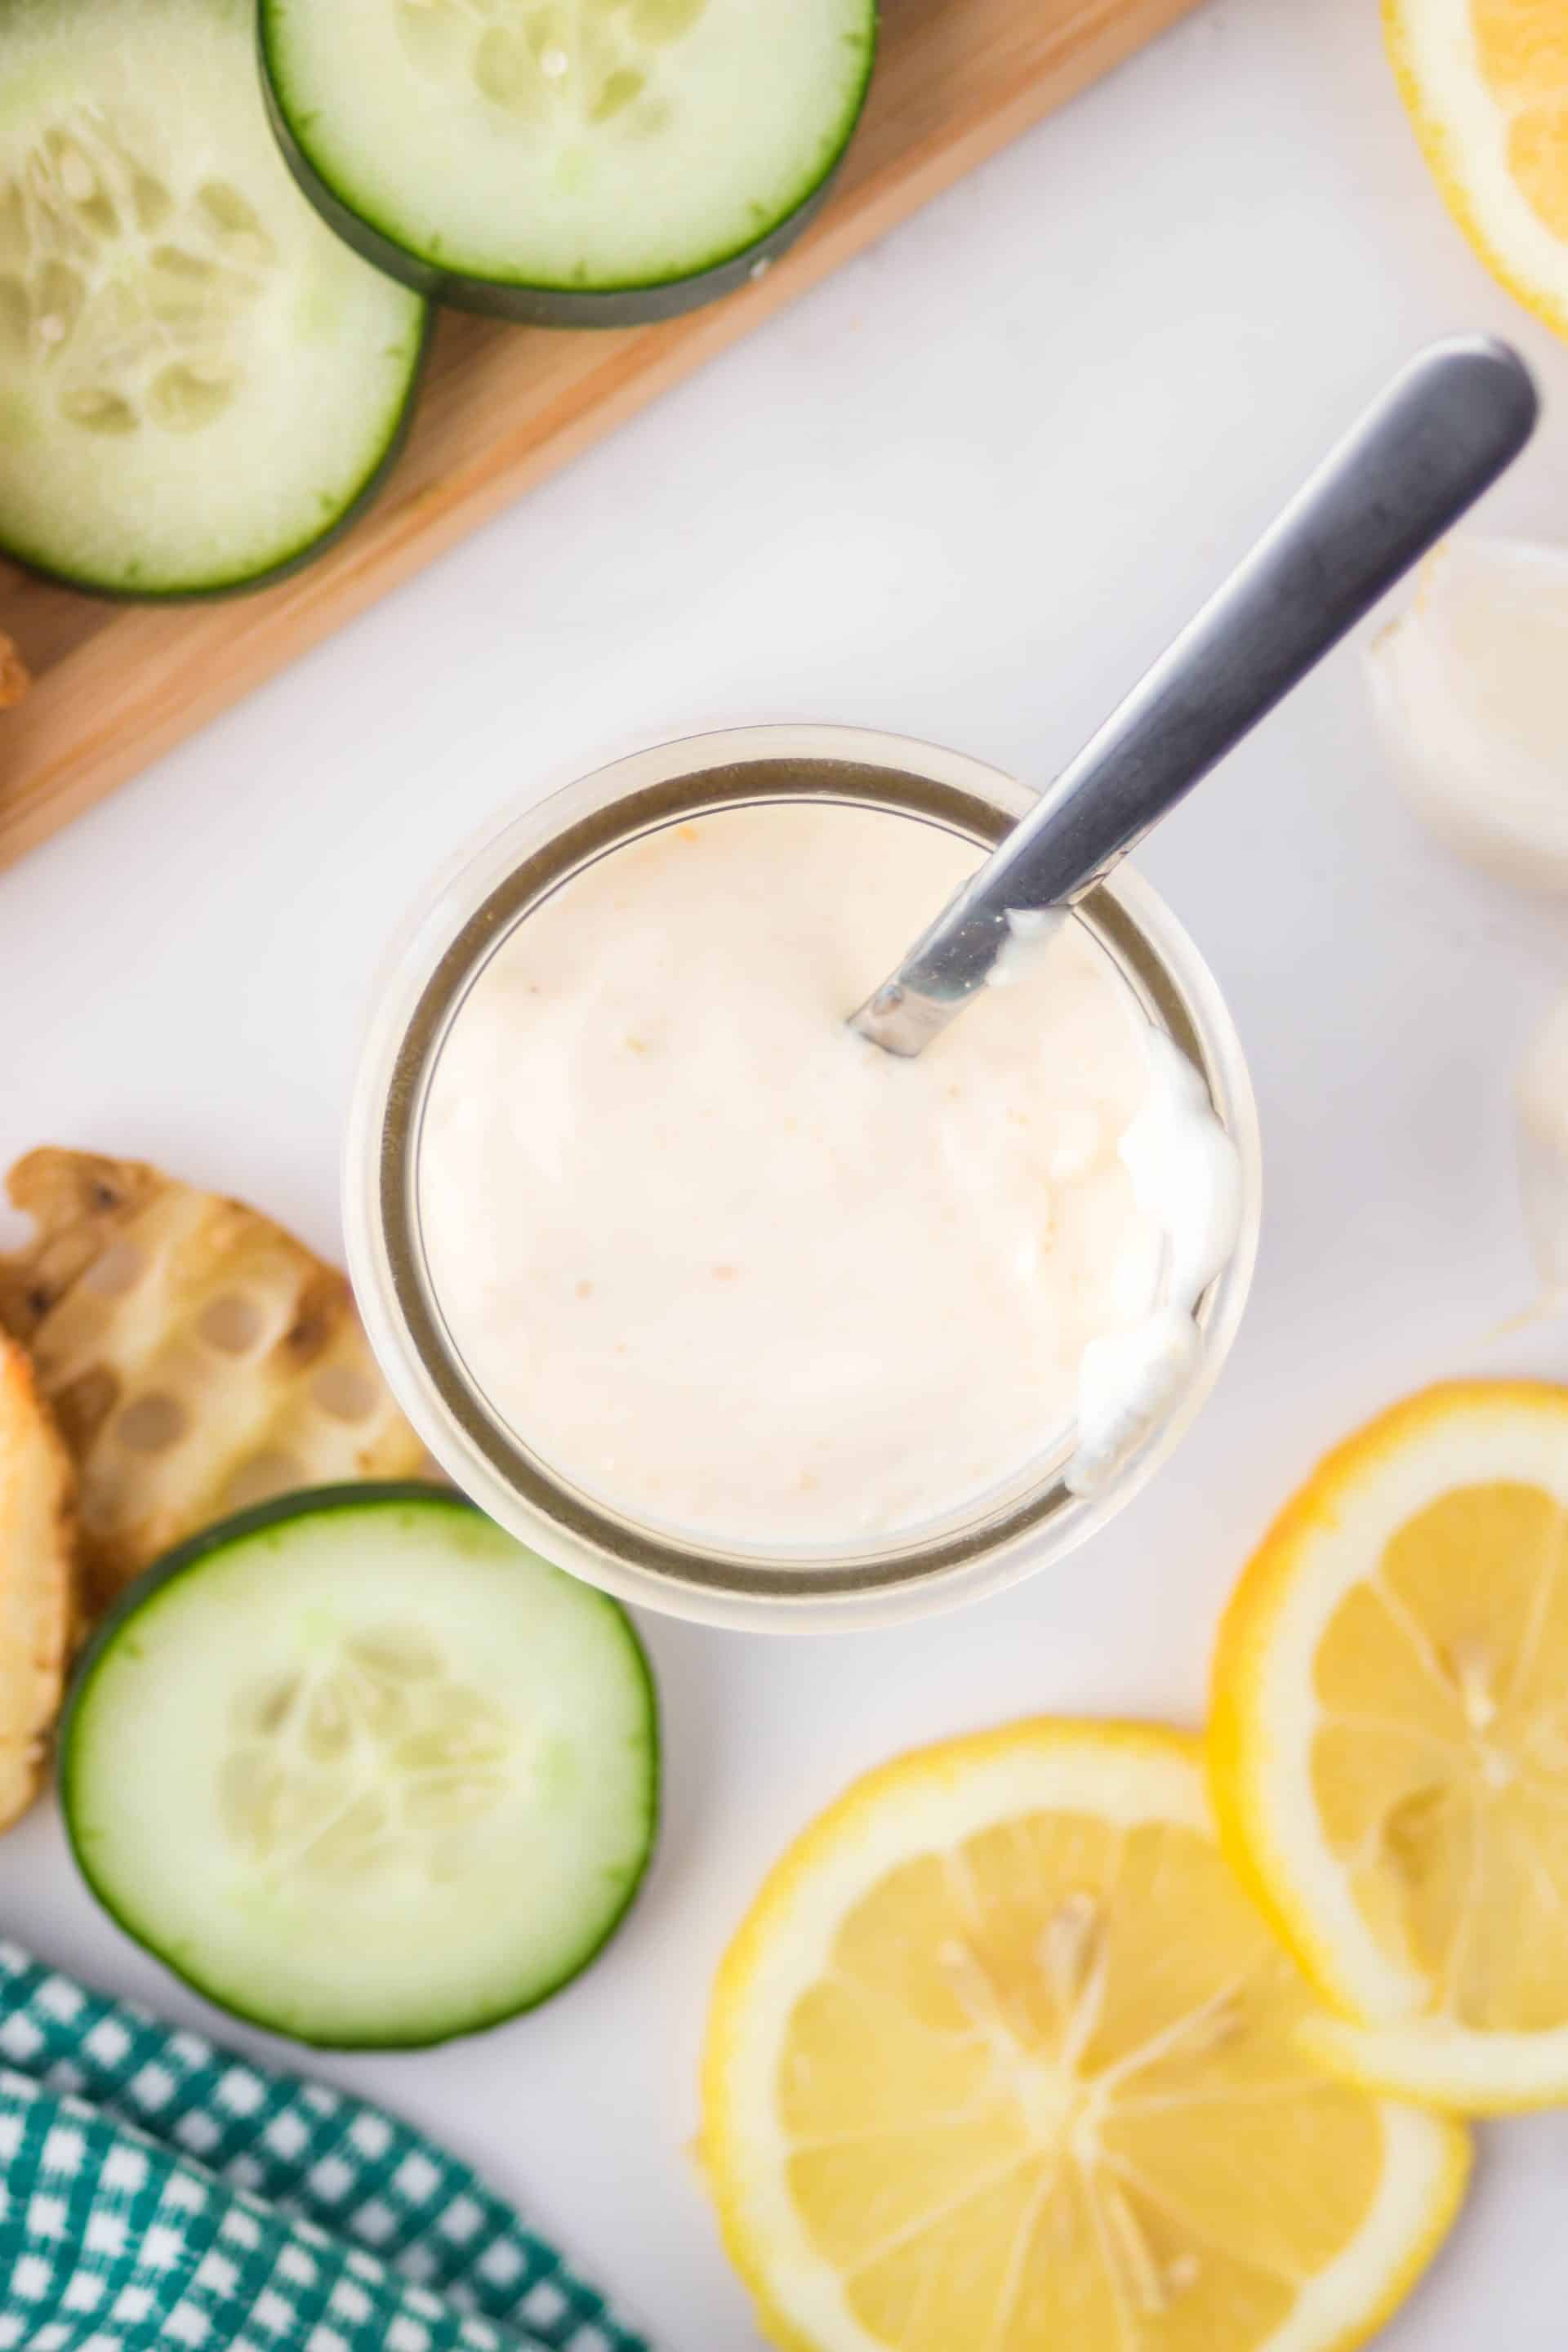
{"x": 1003, "y": 2058}
{"x": 1390, "y": 1745}
{"x": 1486, "y": 82}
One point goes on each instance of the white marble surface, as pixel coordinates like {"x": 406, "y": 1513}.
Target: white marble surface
{"x": 962, "y": 491}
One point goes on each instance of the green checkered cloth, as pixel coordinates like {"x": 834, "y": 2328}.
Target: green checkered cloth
{"x": 156, "y": 2192}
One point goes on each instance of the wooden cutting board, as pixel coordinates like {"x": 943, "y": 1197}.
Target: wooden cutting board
{"x": 503, "y": 406}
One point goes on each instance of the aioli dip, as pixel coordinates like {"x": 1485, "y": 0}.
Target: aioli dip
{"x": 734, "y": 1272}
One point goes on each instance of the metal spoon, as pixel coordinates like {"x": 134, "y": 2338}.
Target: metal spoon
{"x": 1440, "y": 436}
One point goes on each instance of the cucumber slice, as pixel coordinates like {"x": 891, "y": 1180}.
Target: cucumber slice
{"x": 363, "y": 1770}
{"x": 199, "y": 383}
{"x": 570, "y": 162}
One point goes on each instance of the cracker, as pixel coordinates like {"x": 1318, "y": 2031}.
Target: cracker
{"x": 198, "y": 1357}
{"x": 37, "y": 1580}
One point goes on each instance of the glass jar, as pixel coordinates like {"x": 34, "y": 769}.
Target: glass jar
{"x": 1014, "y": 1531}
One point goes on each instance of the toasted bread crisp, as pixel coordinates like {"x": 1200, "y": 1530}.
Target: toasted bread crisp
{"x": 197, "y": 1357}
{"x": 14, "y": 679}
{"x": 37, "y": 1580}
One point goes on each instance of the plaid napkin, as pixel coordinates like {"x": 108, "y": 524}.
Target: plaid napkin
{"x": 156, "y": 2192}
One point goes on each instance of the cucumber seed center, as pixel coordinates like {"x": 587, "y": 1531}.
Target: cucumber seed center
{"x": 373, "y": 1755}
{"x": 123, "y": 295}
{"x": 558, "y": 65}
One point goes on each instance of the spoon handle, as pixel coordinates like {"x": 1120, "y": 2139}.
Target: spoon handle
{"x": 1441, "y": 433}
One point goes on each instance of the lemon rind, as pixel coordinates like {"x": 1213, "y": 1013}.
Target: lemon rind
{"x": 1452, "y": 2070}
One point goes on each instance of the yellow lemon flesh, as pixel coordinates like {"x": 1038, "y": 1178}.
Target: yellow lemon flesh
{"x": 1004, "y": 2059}
{"x": 1486, "y": 82}
{"x": 1390, "y": 1745}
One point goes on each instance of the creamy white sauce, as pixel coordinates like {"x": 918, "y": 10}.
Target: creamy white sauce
{"x": 1185, "y": 1173}
{"x": 731, "y": 1270}
{"x": 1030, "y": 930}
